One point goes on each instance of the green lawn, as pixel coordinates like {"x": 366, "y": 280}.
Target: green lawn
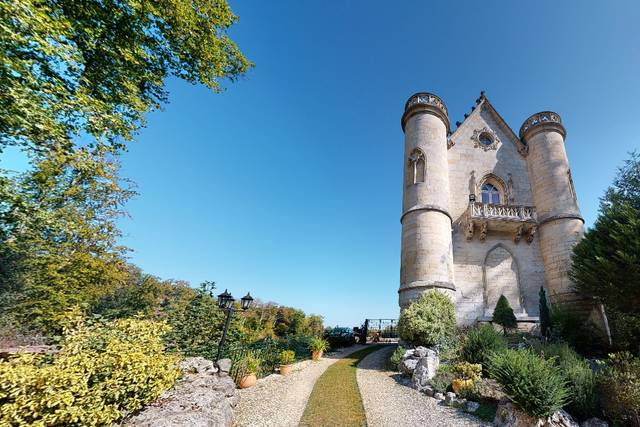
{"x": 335, "y": 399}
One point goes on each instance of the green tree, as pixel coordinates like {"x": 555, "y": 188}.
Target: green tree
{"x": 503, "y": 314}
{"x": 545, "y": 317}
{"x": 96, "y": 67}
{"x": 606, "y": 263}
{"x": 59, "y": 236}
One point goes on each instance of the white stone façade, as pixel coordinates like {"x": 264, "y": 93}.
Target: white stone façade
{"x": 485, "y": 211}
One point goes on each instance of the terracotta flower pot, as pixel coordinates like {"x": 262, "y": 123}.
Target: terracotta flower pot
{"x": 285, "y": 369}
{"x": 459, "y": 384}
{"x": 316, "y": 355}
{"x": 248, "y": 381}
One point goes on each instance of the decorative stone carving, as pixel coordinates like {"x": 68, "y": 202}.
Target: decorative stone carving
{"x": 518, "y": 235}
{"x": 495, "y": 141}
{"x": 532, "y": 233}
{"x": 483, "y": 231}
{"x": 469, "y": 230}
{"x": 543, "y": 117}
{"x": 425, "y": 98}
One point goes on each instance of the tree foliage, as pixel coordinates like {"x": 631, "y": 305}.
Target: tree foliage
{"x": 545, "y": 317}
{"x": 59, "y": 235}
{"x": 429, "y": 320}
{"x": 503, "y": 314}
{"x": 606, "y": 263}
{"x": 72, "y": 68}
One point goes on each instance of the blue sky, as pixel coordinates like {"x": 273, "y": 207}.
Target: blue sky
{"x": 288, "y": 184}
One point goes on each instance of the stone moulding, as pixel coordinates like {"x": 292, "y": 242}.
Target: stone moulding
{"x": 495, "y": 141}
{"x": 426, "y": 285}
{"x": 544, "y": 220}
{"x": 434, "y": 208}
{"x": 424, "y": 102}
{"x": 538, "y": 121}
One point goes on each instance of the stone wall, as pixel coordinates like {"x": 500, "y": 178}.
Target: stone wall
{"x": 469, "y": 162}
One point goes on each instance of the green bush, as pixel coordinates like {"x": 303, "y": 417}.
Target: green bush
{"x": 429, "y": 321}
{"x": 442, "y": 379}
{"x": 581, "y": 380}
{"x": 534, "y": 384}
{"x": 480, "y": 343}
{"x": 468, "y": 371}
{"x": 395, "y": 358}
{"x": 287, "y": 357}
{"x": 569, "y": 326}
{"x": 103, "y": 369}
{"x": 620, "y": 389}
{"x": 503, "y": 314}
{"x": 299, "y": 344}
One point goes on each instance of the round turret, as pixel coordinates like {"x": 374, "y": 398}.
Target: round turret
{"x": 426, "y": 260}
{"x": 559, "y": 221}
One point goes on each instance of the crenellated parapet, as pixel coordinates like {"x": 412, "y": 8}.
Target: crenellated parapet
{"x": 544, "y": 120}
{"x": 425, "y": 102}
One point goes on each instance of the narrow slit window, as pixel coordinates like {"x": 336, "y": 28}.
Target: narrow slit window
{"x": 418, "y": 166}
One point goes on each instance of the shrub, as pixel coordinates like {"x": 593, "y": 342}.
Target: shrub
{"x": 620, "y": 389}
{"x": 545, "y": 317}
{"x": 103, "y": 369}
{"x": 395, "y": 358}
{"x": 503, "y": 314}
{"x": 287, "y": 357}
{"x": 480, "y": 343}
{"x": 580, "y": 378}
{"x": 318, "y": 344}
{"x": 299, "y": 344}
{"x": 428, "y": 321}
{"x": 250, "y": 364}
{"x": 442, "y": 379}
{"x": 569, "y": 326}
{"x": 468, "y": 371}
{"x": 534, "y": 384}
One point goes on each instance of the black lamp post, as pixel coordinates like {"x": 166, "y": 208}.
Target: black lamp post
{"x": 225, "y": 302}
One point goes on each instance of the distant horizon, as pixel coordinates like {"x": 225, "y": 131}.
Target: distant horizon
{"x": 289, "y": 183}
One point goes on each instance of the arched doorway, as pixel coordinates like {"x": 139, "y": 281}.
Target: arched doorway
{"x": 501, "y": 277}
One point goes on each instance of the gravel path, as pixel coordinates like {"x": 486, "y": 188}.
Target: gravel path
{"x": 280, "y": 401}
{"x": 392, "y": 404}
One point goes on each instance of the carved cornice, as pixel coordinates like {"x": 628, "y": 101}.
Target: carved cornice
{"x": 493, "y": 136}
{"x": 426, "y": 285}
{"x": 540, "y": 121}
{"x": 547, "y": 219}
{"x": 424, "y": 102}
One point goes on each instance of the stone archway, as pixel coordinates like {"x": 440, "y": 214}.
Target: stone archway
{"x": 501, "y": 277}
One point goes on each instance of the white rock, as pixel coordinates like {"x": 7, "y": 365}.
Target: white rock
{"x": 472, "y": 406}
{"x": 439, "y": 396}
{"x": 420, "y": 351}
{"x": 508, "y": 415}
{"x": 407, "y": 366}
{"x": 449, "y": 399}
{"x": 425, "y": 370}
{"x": 201, "y": 398}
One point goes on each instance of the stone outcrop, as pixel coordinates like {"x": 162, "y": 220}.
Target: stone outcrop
{"x": 425, "y": 368}
{"x": 508, "y": 415}
{"x": 203, "y": 397}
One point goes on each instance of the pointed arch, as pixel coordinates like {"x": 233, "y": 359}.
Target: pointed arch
{"x": 494, "y": 189}
{"x": 418, "y": 166}
{"x": 501, "y": 276}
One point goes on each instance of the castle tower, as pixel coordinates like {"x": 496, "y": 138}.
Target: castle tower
{"x": 560, "y": 224}
{"x": 426, "y": 258}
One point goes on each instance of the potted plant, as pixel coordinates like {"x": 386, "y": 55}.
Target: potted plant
{"x": 317, "y": 347}
{"x": 250, "y": 366}
{"x": 287, "y": 357}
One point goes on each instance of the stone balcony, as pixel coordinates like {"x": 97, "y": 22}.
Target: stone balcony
{"x": 483, "y": 218}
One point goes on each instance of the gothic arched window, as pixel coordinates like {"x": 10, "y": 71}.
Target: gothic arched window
{"x": 490, "y": 194}
{"x": 418, "y": 166}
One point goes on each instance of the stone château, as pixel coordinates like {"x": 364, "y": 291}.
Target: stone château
{"x": 485, "y": 211}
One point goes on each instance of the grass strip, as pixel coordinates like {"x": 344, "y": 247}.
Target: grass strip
{"x": 335, "y": 399}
